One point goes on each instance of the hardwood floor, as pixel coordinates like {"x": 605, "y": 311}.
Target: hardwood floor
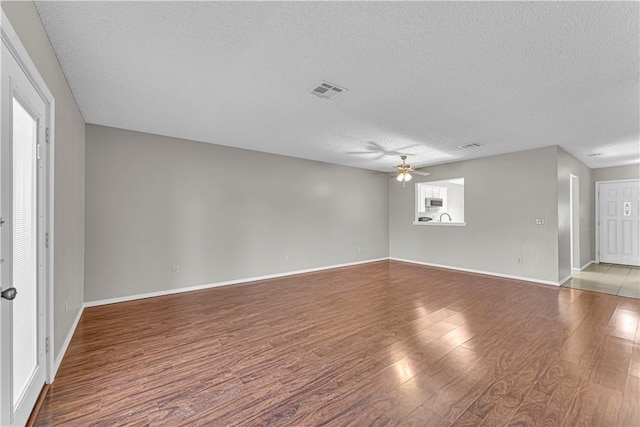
{"x": 386, "y": 343}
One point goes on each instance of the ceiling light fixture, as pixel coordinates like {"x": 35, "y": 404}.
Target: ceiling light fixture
{"x": 404, "y": 177}
{"x": 404, "y": 171}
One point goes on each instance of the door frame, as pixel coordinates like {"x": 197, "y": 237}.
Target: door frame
{"x": 10, "y": 39}
{"x": 597, "y": 210}
{"x": 574, "y": 221}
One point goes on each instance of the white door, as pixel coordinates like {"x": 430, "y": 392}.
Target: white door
{"x": 619, "y": 220}
{"x": 22, "y": 320}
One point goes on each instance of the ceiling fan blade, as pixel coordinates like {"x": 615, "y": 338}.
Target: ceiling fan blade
{"x": 375, "y": 146}
{"x": 407, "y": 147}
{"x": 421, "y": 173}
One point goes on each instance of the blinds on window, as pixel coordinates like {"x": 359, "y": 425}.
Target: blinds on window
{"x": 25, "y": 315}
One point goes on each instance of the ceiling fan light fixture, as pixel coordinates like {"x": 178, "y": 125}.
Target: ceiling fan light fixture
{"x": 404, "y": 177}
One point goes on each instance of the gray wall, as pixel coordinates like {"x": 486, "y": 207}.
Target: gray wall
{"x": 503, "y": 197}
{"x": 567, "y": 165}
{"x": 69, "y": 170}
{"x": 618, "y": 172}
{"x": 219, "y": 213}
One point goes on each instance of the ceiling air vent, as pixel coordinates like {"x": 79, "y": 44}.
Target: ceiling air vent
{"x": 327, "y": 90}
{"x": 472, "y": 145}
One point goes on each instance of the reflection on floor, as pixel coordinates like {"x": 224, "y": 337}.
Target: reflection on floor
{"x": 611, "y": 279}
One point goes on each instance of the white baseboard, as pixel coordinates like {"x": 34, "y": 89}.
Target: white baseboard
{"x": 586, "y": 265}
{"x": 486, "y": 273}
{"x": 66, "y": 342}
{"x": 65, "y": 345}
{"x": 309, "y": 270}
{"x": 582, "y": 267}
{"x": 226, "y": 283}
{"x": 564, "y": 279}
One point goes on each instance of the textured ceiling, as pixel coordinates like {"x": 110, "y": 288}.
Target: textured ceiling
{"x": 422, "y": 77}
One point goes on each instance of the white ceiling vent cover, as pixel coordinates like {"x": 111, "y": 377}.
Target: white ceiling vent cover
{"x": 328, "y": 90}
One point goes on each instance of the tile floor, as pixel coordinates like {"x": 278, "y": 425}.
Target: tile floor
{"x": 612, "y": 279}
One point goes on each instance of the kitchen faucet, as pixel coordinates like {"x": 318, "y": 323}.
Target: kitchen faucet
{"x": 441, "y": 215}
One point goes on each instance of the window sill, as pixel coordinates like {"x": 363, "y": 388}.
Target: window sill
{"x": 444, "y": 224}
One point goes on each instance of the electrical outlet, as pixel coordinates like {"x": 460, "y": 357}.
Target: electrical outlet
{"x": 539, "y": 221}
{"x": 175, "y": 269}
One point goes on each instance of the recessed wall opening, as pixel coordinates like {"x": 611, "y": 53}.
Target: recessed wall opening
{"x": 440, "y": 202}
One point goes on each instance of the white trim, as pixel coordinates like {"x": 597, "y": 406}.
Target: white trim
{"x": 225, "y": 283}
{"x": 486, "y": 273}
{"x": 50, "y": 229}
{"x": 66, "y": 342}
{"x": 449, "y": 224}
{"x": 596, "y": 228}
{"x": 22, "y": 56}
{"x": 20, "y": 53}
{"x": 310, "y": 270}
{"x": 586, "y": 265}
{"x": 564, "y": 280}
{"x": 597, "y": 211}
{"x": 574, "y": 229}
{"x": 619, "y": 180}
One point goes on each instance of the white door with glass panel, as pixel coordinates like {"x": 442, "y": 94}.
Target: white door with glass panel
{"x": 22, "y": 274}
{"x": 619, "y": 222}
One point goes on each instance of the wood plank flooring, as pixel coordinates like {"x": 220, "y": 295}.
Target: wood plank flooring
{"x": 386, "y": 343}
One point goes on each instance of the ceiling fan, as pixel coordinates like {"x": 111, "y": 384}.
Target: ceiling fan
{"x": 372, "y": 147}
{"x": 404, "y": 172}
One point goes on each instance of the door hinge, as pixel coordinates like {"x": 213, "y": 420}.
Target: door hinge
{"x": 46, "y": 345}
{"x": 46, "y": 135}
{"x": 46, "y": 239}
{"x": 1, "y": 221}
{"x": 38, "y": 151}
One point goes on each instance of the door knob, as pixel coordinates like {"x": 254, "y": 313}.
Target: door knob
{"x": 9, "y": 293}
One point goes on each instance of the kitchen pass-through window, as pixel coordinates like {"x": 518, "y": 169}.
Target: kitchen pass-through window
{"x": 440, "y": 202}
